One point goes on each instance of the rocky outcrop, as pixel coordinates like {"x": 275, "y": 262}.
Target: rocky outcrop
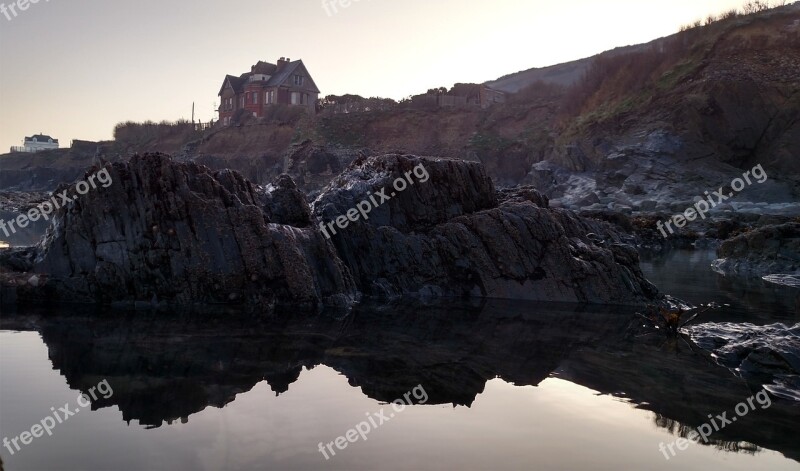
{"x": 314, "y": 166}
{"x": 178, "y": 233}
{"x": 169, "y": 233}
{"x": 770, "y": 250}
{"x": 450, "y": 235}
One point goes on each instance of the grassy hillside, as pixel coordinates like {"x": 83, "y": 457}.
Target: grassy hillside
{"x": 727, "y": 89}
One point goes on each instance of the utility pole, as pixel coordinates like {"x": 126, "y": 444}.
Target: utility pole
{"x": 192, "y": 112}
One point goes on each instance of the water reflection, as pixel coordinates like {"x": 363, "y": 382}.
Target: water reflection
{"x": 687, "y": 274}
{"x": 165, "y": 368}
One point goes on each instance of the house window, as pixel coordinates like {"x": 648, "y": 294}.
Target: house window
{"x": 295, "y": 98}
{"x": 255, "y": 98}
{"x": 271, "y": 96}
{"x": 298, "y": 80}
{"x": 242, "y": 101}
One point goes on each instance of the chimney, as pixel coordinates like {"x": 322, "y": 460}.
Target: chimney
{"x": 282, "y": 62}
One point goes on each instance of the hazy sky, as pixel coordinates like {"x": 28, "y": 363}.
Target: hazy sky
{"x": 75, "y": 68}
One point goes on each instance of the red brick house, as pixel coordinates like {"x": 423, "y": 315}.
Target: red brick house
{"x": 287, "y": 82}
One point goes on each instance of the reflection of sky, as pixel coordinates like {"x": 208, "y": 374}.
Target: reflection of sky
{"x": 557, "y": 425}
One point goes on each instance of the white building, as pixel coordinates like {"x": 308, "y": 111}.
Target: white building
{"x": 36, "y": 143}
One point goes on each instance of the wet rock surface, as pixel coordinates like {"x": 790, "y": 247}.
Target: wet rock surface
{"x": 771, "y": 250}
{"x": 169, "y": 233}
{"x": 784, "y": 280}
{"x": 769, "y": 354}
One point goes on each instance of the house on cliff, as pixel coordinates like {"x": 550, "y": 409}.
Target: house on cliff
{"x": 285, "y": 83}
{"x": 36, "y": 143}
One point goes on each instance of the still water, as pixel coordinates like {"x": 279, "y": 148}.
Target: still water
{"x": 506, "y": 386}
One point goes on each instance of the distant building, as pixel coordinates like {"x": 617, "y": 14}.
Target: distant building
{"x": 36, "y": 143}
{"x": 287, "y": 82}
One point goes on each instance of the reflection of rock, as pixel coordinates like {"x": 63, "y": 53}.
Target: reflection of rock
{"x": 765, "y": 354}
{"x": 166, "y": 368}
{"x": 682, "y": 388}
{"x": 766, "y": 251}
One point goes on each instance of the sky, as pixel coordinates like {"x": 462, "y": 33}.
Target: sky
{"x": 73, "y": 69}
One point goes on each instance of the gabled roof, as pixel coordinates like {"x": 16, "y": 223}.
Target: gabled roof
{"x": 236, "y": 83}
{"x": 288, "y": 70}
{"x": 264, "y": 68}
{"x": 41, "y": 138}
{"x": 277, "y": 78}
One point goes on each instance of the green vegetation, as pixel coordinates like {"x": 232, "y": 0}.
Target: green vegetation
{"x": 489, "y": 143}
{"x": 674, "y": 76}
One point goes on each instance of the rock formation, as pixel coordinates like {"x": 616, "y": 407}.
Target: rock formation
{"x": 771, "y": 250}
{"x": 178, "y": 233}
{"x": 453, "y": 236}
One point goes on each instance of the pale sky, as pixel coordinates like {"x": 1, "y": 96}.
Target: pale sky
{"x": 75, "y": 68}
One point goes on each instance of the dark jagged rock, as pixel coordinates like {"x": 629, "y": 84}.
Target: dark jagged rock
{"x": 314, "y": 166}
{"x": 766, "y": 251}
{"x": 178, "y": 233}
{"x": 452, "y": 236}
{"x": 286, "y": 204}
